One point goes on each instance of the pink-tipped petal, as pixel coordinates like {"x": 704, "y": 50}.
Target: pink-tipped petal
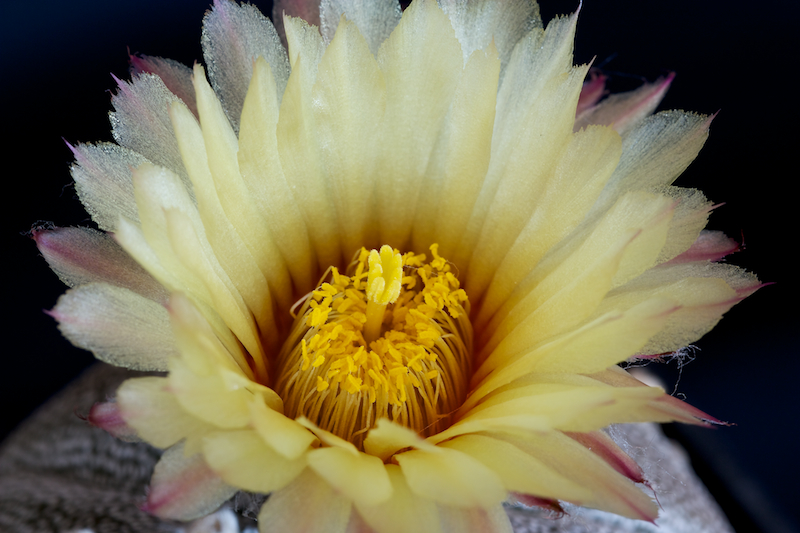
{"x": 592, "y": 91}
{"x": 535, "y": 501}
{"x": 106, "y": 416}
{"x": 184, "y": 488}
{"x": 141, "y": 121}
{"x": 602, "y": 445}
{"x": 709, "y": 246}
{"x": 625, "y": 110}
{"x": 307, "y": 10}
{"x": 175, "y": 75}
{"x": 83, "y": 255}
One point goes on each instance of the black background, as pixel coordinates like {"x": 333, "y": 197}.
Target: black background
{"x": 730, "y": 56}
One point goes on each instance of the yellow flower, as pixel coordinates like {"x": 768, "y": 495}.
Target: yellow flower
{"x": 389, "y": 274}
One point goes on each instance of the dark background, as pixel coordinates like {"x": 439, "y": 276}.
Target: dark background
{"x": 55, "y": 64}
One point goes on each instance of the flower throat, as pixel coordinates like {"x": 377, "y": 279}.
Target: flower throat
{"x": 389, "y": 339}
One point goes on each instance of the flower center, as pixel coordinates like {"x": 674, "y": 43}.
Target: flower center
{"x": 390, "y": 339}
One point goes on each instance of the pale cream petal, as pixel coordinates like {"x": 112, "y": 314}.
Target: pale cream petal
{"x": 102, "y": 174}
{"x": 83, "y": 255}
{"x": 451, "y": 478}
{"x": 242, "y": 459}
{"x": 545, "y": 407}
{"x": 579, "y": 176}
{"x": 404, "y": 512}
{"x": 307, "y": 504}
{"x": 567, "y": 287}
{"x": 225, "y": 299}
{"x": 504, "y": 210}
{"x": 283, "y": 434}
{"x": 184, "y": 488}
{"x": 118, "y": 326}
{"x": 602, "y": 343}
{"x": 204, "y": 340}
{"x": 625, "y": 110}
{"x": 175, "y": 75}
{"x": 227, "y": 190}
{"x": 518, "y": 471}
{"x": 599, "y": 344}
{"x": 140, "y": 122}
{"x": 298, "y": 145}
{"x": 349, "y": 100}
{"x": 304, "y": 40}
{"x": 534, "y": 118}
{"x": 155, "y": 190}
{"x": 375, "y": 19}
{"x": 261, "y": 170}
{"x": 610, "y": 491}
{"x": 705, "y": 292}
{"x": 147, "y": 405}
{"x": 233, "y": 36}
{"x": 478, "y": 23}
{"x": 132, "y": 239}
{"x": 422, "y": 64}
{"x": 691, "y": 215}
{"x": 655, "y": 153}
{"x": 360, "y": 477}
{"x": 458, "y": 165}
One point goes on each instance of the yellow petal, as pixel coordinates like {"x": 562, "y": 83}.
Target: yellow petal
{"x": 389, "y": 437}
{"x": 360, "y": 477}
{"x": 579, "y": 176}
{"x": 518, "y": 471}
{"x": 609, "y": 490}
{"x": 451, "y": 478}
{"x": 284, "y": 435}
{"x": 603, "y": 342}
{"x": 242, "y": 459}
{"x": 225, "y": 242}
{"x": 207, "y": 397}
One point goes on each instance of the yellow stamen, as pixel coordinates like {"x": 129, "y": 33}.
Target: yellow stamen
{"x": 390, "y": 339}
{"x": 383, "y": 287}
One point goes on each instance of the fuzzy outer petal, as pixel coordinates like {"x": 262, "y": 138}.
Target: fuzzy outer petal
{"x": 234, "y": 35}
{"x": 119, "y": 326}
